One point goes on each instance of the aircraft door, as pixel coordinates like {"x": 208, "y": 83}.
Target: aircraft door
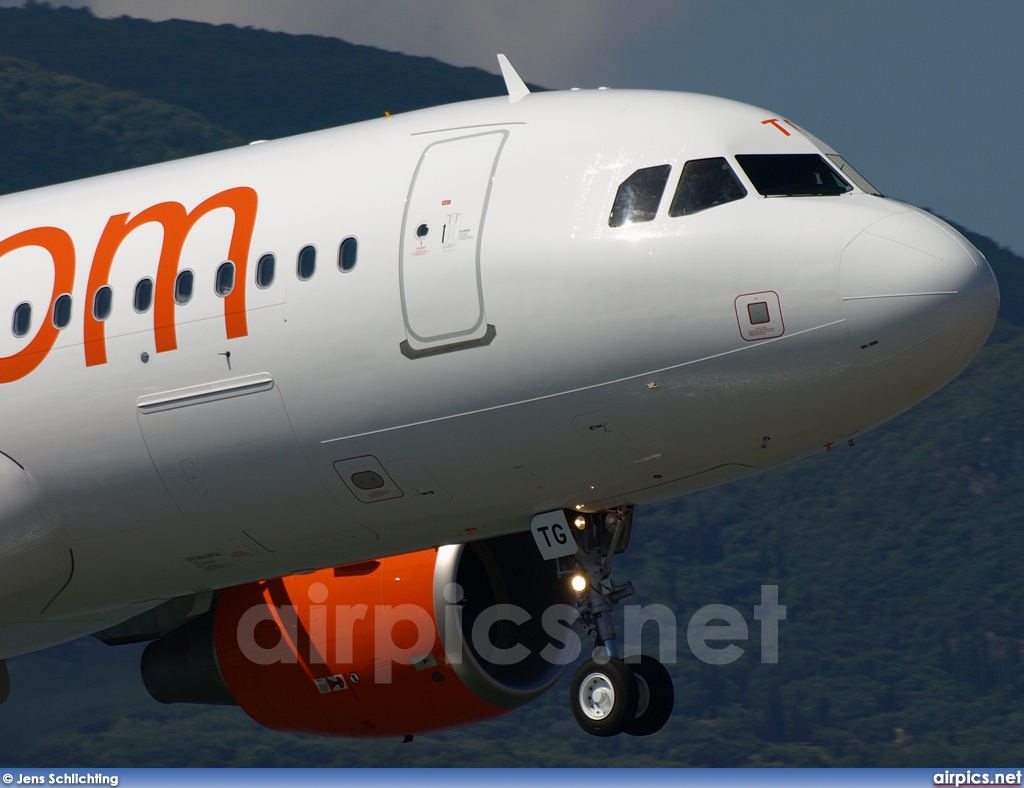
{"x": 439, "y": 256}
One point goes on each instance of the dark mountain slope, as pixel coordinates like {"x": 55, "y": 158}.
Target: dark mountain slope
{"x": 257, "y": 84}
{"x": 1009, "y": 270}
{"x": 58, "y": 128}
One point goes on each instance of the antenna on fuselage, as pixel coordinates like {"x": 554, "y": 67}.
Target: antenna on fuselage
{"x": 513, "y": 82}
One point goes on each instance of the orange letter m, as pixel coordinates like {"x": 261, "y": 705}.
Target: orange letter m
{"x": 177, "y": 223}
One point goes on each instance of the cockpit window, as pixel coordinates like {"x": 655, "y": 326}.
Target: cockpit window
{"x": 792, "y": 175}
{"x": 705, "y": 183}
{"x": 858, "y": 179}
{"x": 839, "y": 162}
{"x": 639, "y": 196}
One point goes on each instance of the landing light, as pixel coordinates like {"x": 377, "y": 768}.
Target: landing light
{"x": 580, "y": 522}
{"x": 579, "y": 583}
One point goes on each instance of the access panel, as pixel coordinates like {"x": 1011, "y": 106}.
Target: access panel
{"x": 227, "y": 455}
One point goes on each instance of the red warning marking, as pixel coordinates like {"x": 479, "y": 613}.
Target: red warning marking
{"x": 775, "y": 122}
{"x": 446, "y": 202}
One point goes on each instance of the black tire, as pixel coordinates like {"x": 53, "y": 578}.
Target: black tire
{"x": 660, "y": 697}
{"x": 603, "y": 698}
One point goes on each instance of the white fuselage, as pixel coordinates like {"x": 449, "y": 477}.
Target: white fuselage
{"x": 531, "y": 359}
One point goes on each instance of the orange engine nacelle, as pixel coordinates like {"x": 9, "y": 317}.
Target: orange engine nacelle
{"x": 405, "y": 645}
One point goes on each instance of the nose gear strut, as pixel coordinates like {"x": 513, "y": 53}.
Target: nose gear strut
{"x": 609, "y": 696}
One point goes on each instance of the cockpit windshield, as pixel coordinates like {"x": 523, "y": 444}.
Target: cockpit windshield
{"x": 705, "y": 183}
{"x": 792, "y": 175}
{"x": 858, "y": 179}
{"x": 639, "y": 196}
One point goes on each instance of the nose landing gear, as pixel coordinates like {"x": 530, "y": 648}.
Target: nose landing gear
{"x": 609, "y": 696}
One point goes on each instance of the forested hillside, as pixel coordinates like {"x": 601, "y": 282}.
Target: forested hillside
{"x": 899, "y": 559}
{"x": 256, "y": 84}
{"x": 56, "y": 127}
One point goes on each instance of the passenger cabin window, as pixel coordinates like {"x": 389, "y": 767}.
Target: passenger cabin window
{"x": 792, "y": 175}
{"x": 62, "y": 312}
{"x": 103, "y": 303}
{"x": 347, "y": 254}
{"x": 639, "y": 196}
{"x": 143, "y": 299}
{"x": 265, "y": 271}
{"x": 704, "y": 184}
{"x": 184, "y": 285}
{"x": 22, "y": 321}
{"x": 225, "y": 282}
{"x": 306, "y": 266}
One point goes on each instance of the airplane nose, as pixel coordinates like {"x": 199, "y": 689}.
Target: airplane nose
{"x": 919, "y": 300}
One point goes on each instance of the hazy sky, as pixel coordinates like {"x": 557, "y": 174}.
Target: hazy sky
{"x": 924, "y": 97}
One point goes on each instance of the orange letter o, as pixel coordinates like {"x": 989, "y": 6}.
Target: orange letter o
{"x": 62, "y": 249}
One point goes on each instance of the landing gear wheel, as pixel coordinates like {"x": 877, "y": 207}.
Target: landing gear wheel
{"x": 657, "y": 696}
{"x": 603, "y": 697}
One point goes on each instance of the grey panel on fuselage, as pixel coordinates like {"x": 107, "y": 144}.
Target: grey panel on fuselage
{"x": 228, "y": 457}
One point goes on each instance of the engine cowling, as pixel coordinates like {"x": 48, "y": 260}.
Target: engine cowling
{"x": 409, "y": 644}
